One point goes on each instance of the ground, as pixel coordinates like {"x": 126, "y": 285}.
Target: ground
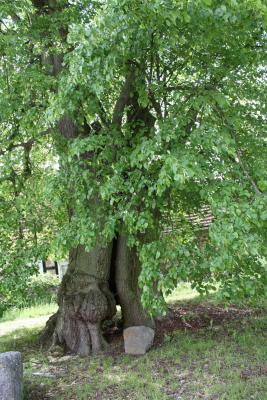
{"x": 202, "y": 351}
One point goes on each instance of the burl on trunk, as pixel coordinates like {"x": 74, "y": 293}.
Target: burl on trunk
{"x": 86, "y": 299}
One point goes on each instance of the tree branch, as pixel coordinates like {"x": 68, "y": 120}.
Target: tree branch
{"x": 15, "y": 146}
{"x": 123, "y": 99}
{"x": 239, "y": 160}
{"x": 155, "y": 104}
{"x": 246, "y": 173}
{"x": 103, "y": 115}
{"x": 24, "y": 145}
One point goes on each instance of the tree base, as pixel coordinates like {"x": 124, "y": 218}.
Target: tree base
{"x": 86, "y": 301}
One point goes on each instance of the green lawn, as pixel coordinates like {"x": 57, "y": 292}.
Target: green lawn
{"x": 226, "y": 359}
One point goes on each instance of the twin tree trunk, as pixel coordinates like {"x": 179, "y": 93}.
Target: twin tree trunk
{"x": 97, "y": 280}
{"x": 94, "y": 283}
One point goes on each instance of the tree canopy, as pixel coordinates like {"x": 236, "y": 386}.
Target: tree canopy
{"x": 167, "y": 98}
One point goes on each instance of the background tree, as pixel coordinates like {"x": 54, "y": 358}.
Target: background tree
{"x": 148, "y": 110}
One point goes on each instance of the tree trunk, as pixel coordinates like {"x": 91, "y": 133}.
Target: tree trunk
{"x": 95, "y": 279}
{"x": 126, "y": 277}
{"x": 86, "y": 301}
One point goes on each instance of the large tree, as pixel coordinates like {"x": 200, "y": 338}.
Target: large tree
{"x": 124, "y": 117}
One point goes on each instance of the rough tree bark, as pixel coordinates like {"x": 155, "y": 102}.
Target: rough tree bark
{"x": 127, "y": 272}
{"x": 85, "y": 301}
{"x": 85, "y": 298}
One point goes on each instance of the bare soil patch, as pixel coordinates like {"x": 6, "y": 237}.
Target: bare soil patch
{"x": 185, "y": 317}
{"x": 198, "y": 316}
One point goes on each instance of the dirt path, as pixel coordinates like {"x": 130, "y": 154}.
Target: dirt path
{"x": 10, "y": 326}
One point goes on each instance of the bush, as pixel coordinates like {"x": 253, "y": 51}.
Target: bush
{"x": 41, "y": 289}
{"x": 14, "y": 277}
{"x": 34, "y": 290}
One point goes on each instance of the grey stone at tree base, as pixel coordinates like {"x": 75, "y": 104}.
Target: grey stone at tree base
{"x": 11, "y": 374}
{"x": 138, "y": 339}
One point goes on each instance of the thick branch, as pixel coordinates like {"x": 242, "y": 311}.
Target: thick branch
{"x": 155, "y": 104}
{"x": 246, "y": 173}
{"x": 13, "y": 146}
{"x": 124, "y": 97}
{"x": 24, "y": 145}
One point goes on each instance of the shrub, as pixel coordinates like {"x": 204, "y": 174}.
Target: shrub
{"x": 36, "y": 289}
{"x": 41, "y": 289}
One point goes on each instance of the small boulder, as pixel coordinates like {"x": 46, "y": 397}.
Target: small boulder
{"x": 138, "y": 339}
{"x": 11, "y": 372}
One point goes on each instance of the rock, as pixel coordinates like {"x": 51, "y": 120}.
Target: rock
{"x": 67, "y": 358}
{"x": 44, "y": 374}
{"x": 138, "y": 339}
{"x": 11, "y": 372}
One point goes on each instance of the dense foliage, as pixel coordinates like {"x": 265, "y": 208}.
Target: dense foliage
{"x": 35, "y": 290}
{"x": 196, "y": 69}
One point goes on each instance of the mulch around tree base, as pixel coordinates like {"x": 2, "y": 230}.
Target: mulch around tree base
{"x": 197, "y": 316}
{"x": 190, "y": 317}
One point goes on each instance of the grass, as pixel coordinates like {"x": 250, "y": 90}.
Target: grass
{"x": 224, "y": 361}
{"x": 181, "y": 293}
{"x": 29, "y": 312}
